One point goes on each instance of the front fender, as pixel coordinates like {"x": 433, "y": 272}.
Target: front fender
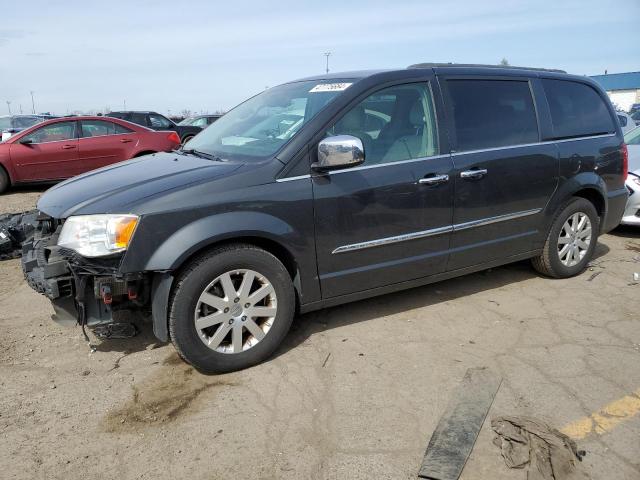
{"x": 201, "y": 233}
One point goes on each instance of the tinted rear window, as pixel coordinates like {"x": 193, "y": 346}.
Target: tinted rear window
{"x": 577, "y": 110}
{"x": 492, "y": 113}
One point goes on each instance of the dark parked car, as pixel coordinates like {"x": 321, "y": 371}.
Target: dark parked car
{"x": 155, "y": 121}
{"x": 64, "y": 147}
{"x": 12, "y": 124}
{"x": 202, "y": 121}
{"x": 389, "y": 180}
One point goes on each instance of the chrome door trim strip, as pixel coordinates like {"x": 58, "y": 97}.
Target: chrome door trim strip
{"x": 388, "y": 240}
{"x": 499, "y": 218}
{"x": 435, "y": 231}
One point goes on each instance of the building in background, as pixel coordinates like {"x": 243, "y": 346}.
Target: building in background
{"x": 623, "y": 88}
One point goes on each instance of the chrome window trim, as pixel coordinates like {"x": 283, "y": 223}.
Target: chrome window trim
{"x": 291, "y": 179}
{"x": 545, "y": 142}
{"x": 435, "y": 231}
{"x": 444, "y": 155}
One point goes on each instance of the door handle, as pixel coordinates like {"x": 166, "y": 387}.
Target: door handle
{"x": 126, "y": 140}
{"x": 474, "y": 174}
{"x": 68, "y": 147}
{"x": 433, "y": 179}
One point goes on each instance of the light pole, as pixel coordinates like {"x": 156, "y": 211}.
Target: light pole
{"x": 33, "y": 104}
{"x": 327, "y": 54}
{"x": 9, "y": 106}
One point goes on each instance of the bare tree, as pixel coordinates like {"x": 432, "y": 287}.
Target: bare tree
{"x": 504, "y": 62}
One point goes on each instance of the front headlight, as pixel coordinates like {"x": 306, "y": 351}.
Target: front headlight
{"x": 97, "y": 235}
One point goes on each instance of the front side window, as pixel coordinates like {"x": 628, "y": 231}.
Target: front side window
{"x": 54, "y": 132}
{"x": 99, "y": 128}
{"x": 576, "y": 109}
{"x": 394, "y": 124}
{"x": 259, "y": 127}
{"x": 492, "y": 113}
{"x": 158, "y": 121}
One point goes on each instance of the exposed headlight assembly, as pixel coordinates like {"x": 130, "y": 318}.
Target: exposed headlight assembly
{"x": 98, "y": 235}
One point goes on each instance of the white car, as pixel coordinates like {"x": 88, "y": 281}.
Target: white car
{"x": 627, "y": 123}
{"x": 631, "y": 214}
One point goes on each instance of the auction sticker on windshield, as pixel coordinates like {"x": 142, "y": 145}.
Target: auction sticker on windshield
{"x": 330, "y": 87}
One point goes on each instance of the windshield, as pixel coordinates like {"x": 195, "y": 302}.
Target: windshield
{"x": 633, "y": 137}
{"x": 257, "y": 128}
{"x": 5, "y": 122}
{"x": 188, "y": 121}
{"x": 25, "y": 122}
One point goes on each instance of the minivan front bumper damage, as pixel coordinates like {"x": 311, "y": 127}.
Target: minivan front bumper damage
{"x": 82, "y": 290}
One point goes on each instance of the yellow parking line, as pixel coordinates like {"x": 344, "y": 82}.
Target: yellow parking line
{"x": 606, "y": 419}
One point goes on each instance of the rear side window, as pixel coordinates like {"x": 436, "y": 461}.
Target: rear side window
{"x": 577, "y": 110}
{"x": 492, "y": 113}
{"x": 99, "y": 128}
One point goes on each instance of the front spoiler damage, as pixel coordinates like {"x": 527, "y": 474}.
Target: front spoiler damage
{"x": 84, "y": 291}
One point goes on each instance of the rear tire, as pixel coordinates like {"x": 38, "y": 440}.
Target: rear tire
{"x": 5, "y": 183}
{"x": 217, "y": 324}
{"x": 571, "y": 241}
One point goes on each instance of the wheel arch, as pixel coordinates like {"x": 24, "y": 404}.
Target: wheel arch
{"x": 164, "y": 282}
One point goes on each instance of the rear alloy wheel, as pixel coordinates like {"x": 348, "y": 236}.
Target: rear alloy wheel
{"x": 231, "y": 308}
{"x": 571, "y": 240}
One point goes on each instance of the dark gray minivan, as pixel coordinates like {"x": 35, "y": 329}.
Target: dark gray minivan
{"x": 332, "y": 189}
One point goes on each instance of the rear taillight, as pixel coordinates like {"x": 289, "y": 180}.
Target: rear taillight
{"x": 173, "y": 137}
{"x": 625, "y": 161}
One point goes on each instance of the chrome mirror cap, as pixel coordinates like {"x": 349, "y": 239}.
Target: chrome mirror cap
{"x": 341, "y": 151}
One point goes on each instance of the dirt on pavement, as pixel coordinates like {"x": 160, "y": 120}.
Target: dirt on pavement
{"x": 354, "y": 393}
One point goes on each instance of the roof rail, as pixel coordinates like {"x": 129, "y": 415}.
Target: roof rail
{"x": 430, "y": 65}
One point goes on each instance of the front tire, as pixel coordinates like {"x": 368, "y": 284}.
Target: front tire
{"x": 4, "y": 180}
{"x": 231, "y": 308}
{"x": 571, "y": 240}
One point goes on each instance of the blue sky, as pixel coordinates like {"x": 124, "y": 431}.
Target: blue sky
{"x": 209, "y": 55}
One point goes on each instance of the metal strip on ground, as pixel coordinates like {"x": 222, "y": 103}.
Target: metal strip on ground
{"x": 458, "y": 428}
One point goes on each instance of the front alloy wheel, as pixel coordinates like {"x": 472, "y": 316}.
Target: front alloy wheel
{"x": 231, "y": 308}
{"x": 236, "y": 311}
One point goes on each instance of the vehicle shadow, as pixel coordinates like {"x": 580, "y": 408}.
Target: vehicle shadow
{"x": 304, "y": 326}
{"x": 625, "y": 231}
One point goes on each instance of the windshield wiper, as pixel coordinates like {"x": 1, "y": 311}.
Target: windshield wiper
{"x": 197, "y": 153}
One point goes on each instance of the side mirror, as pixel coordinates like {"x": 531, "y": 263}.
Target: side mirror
{"x": 26, "y": 141}
{"x": 341, "y": 151}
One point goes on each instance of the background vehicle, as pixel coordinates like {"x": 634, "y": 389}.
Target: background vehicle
{"x": 64, "y": 147}
{"x": 156, "y": 121}
{"x": 627, "y": 123}
{"x": 202, "y": 121}
{"x": 631, "y": 214}
{"x": 636, "y": 117}
{"x": 333, "y": 189}
{"x": 12, "y": 124}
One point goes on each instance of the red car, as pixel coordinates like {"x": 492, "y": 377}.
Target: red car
{"x": 65, "y": 147}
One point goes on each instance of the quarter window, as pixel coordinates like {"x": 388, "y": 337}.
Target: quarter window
{"x": 53, "y": 132}
{"x": 158, "y": 121}
{"x": 394, "y": 124}
{"x": 492, "y": 113}
{"x": 99, "y": 128}
{"x": 577, "y": 110}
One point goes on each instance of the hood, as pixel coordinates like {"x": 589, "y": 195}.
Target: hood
{"x": 119, "y": 187}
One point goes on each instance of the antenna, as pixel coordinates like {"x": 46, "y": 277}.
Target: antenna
{"x": 327, "y": 54}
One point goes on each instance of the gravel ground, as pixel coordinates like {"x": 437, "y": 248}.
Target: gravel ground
{"x": 354, "y": 393}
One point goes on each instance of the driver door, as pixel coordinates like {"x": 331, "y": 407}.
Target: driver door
{"x": 386, "y": 221}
